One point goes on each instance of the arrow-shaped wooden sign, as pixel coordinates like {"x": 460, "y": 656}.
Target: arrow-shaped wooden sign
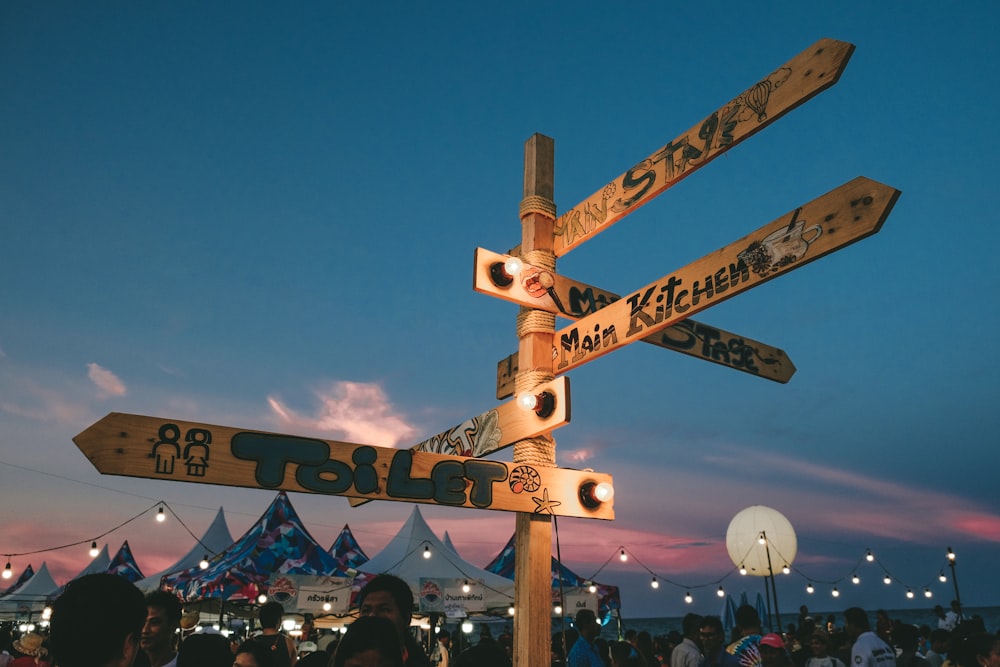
{"x": 542, "y": 289}
{"x": 847, "y": 214}
{"x": 500, "y": 427}
{"x": 182, "y": 451}
{"x": 804, "y": 76}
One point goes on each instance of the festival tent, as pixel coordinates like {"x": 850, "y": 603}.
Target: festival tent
{"x": 608, "y": 597}
{"x": 215, "y": 540}
{"x": 124, "y": 565}
{"x": 347, "y": 552}
{"x": 97, "y": 565}
{"x": 404, "y": 557}
{"x": 30, "y": 598}
{"x": 277, "y": 543}
{"x": 28, "y": 573}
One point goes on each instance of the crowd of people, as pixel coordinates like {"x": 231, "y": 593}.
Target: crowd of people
{"x": 102, "y": 620}
{"x": 955, "y": 642}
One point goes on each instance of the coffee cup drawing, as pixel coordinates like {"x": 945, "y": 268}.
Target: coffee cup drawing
{"x": 781, "y": 247}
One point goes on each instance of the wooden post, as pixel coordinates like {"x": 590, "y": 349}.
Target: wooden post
{"x": 536, "y": 332}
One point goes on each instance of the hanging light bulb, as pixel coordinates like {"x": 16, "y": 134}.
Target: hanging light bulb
{"x": 761, "y": 539}
{"x": 785, "y": 569}
{"x": 942, "y": 578}
{"x": 721, "y": 593}
{"x": 809, "y": 588}
{"x": 869, "y": 556}
{"x": 887, "y": 580}
{"x": 687, "y": 598}
{"x": 591, "y": 586}
{"x": 927, "y": 593}
{"x": 7, "y": 573}
{"x": 909, "y": 594}
{"x": 743, "y": 569}
{"x": 93, "y": 550}
{"x": 835, "y": 593}
{"x": 160, "y": 516}
{"x": 623, "y": 556}
{"x": 510, "y": 612}
{"x": 855, "y": 579}
{"x": 261, "y": 598}
{"x": 557, "y": 610}
{"x": 654, "y": 583}
{"x": 951, "y": 555}
{"x": 465, "y": 586}
{"x": 204, "y": 562}
{"x": 327, "y": 606}
{"x": 427, "y": 551}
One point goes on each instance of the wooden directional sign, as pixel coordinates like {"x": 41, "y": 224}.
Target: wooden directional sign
{"x": 542, "y": 289}
{"x": 498, "y": 428}
{"x": 845, "y": 215}
{"x": 792, "y": 84}
{"x": 182, "y": 451}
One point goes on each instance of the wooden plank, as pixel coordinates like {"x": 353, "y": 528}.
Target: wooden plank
{"x": 536, "y": 287}
{"x": 183, "y": 451}
{"x": 804, "y": 76}
{"x": 500, "y": 427}
{"x": 843, "y": 216}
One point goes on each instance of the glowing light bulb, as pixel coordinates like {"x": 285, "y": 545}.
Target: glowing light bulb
{"x": 721, "y": 593}
{"x": 835, "y": 593}
{"x": 743, "y": 569}
{"x": 927, "y": 593}
{"x": 654, "y": 583}
{"x": 7, "y": 573}
{"x": 604, "y": 492}
{"x": 869, "y": 556}
{"x": 761, "y": 539}
{"x": 513, "y": 266}
{"x": 510, "y": 612}
{"x": 261, "y": 598}
{"x": 951, "y": 555}
{"x": 909, "y": 594}
{"x": 810, "y": 589}
{"x": 557, "y": 610}
{"x": 623, "y": 557}
{"x": 592, "y": 588}
{"x": 427, "y": 551}
{"x": 204, "y": 562}
{"x": 93, "y": 550}
{"x": 942, "y": 578}
{"x": 467, "y": 626}
{"x": 855, "y": 579}
{"x": 465, "y": 586}
{"x": 327, "y": 606}
{"x": 785, "y": 569}
{"x": 687, "y": 598}
{"x": 160, "y": 516}
{"x": 887, "y": 580}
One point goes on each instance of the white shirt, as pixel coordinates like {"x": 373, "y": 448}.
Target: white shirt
{"x": 870, "y": 651}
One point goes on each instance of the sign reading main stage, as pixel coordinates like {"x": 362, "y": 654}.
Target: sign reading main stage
{"x": 158, "y": 448}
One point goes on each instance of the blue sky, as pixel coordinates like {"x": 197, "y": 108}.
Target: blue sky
{"x": 265, "y": 216}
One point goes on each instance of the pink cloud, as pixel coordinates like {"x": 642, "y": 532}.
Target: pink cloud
{"x": 107, "y": 382}
{"x": 357, "y": 412}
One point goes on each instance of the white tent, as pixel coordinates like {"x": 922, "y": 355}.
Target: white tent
{"x": 100, "y": 563}
{"x": 404, "y": 557}
{"x": 215, "y": 540}
{"x": 30, "y": 598}
{"x": 448, "y": 543}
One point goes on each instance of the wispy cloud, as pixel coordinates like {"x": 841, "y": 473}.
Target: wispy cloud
{"x": 353, "y": 411}
{"x": 107, "y": 382}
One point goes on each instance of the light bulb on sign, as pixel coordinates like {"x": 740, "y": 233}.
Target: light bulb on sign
{"x": 327, "y": 606}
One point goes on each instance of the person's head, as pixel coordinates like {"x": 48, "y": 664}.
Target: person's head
{"x": 747, "y": 620}
{"x": 97, "y": 621}
{"x": 370, "y": 641}
{"x": 905, "y": 637}
{"x": 205, "y": 650}
{"x": 270, "y": 615}
{"x": 620, "y": 652}
{"x": 387, "y": 596}
{"x": 978, "y": 650}
{"x": 939, "y": 640}
{"x": 690, "y": 626}
{"x": 939, "y": 611}
{"x": 856, "y": 622}
{"x": 252, "y": 654}
{"x": 772, "y": 651}
{"x": 819, "y": 644}
{"x": 163, "y": 616}
{"x": 956, "y": 606}
{"x": 30, "y": 644}
{"x": 444, "y": 637}
{"x": 586, "y": 624}
{"x": 711, "y": 634}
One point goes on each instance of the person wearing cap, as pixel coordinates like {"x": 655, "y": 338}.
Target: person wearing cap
{"x": 772, "y": 651}
{"x": 307, "y": 647}
{"x": 867, "y": 650}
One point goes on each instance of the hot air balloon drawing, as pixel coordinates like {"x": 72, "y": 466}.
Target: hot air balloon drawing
{"x": 756, "y": 99}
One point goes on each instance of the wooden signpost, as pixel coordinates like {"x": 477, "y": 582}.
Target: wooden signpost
{"x": 182, "y": 451}
{"x": 539, "y": 288}
{"x": 801, "y": 78}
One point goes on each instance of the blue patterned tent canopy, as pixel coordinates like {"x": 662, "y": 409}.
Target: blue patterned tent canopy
{"x": 278, "y": 543}
{"x": 124, "y": 565}
{"x": 608, "y": 596}
{"x": 347, "y": 551}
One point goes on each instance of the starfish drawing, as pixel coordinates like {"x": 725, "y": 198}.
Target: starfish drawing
{"x": 543, "y": 504}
